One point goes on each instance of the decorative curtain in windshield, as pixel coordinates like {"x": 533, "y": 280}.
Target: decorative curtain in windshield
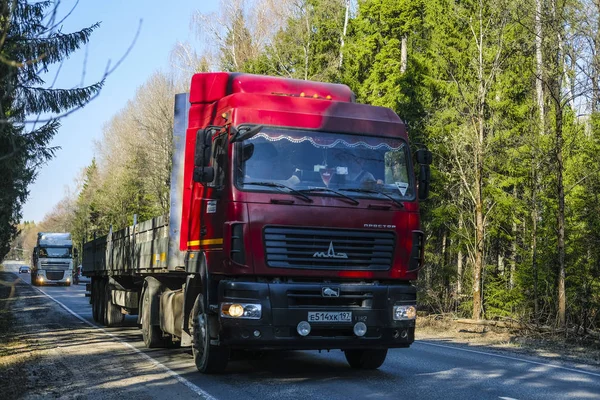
{"x": 308, "y": 160}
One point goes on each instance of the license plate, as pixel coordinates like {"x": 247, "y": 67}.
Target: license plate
{"x": 328, "y": 316}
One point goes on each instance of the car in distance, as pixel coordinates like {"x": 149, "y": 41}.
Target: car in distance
{"x": 24, "y": 269}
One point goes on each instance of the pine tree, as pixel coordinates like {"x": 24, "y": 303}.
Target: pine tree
{"x": 29, "y": 45}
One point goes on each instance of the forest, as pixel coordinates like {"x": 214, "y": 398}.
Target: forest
{"x": 505, "y": 93}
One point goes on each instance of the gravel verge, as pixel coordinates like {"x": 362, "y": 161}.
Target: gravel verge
{"x": 45, "y": 352}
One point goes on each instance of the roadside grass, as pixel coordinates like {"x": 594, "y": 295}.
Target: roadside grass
{"x": 542, "y": 344}
{"x": 13, "y": 371}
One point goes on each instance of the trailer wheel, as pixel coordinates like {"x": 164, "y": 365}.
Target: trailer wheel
{"x": 366, "y": 359}
{"x": 114, "y": 316}
{"x": 209, "y": 358}
{"x": 152, "y": 334}
{"x": 101, "y": 302}
{"x": 94, "y": 300}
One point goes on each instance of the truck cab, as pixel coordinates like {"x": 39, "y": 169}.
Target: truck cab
{"x": 52, "y": 259}
{"x": 302, "y": 206}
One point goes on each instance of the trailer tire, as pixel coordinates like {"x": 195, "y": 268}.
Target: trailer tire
{"x": 209, "y": 358}
{"x": 366, "y": 359}
{"x": 114, "y": 316}
{"x": 101, "y": 302}
{"x": 94, "y": 300}
{"x": 151, "y": 334}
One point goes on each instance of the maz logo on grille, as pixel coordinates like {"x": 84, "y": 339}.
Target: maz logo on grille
{"x": 330, "y": 292}
{"x": 330, "y": 253}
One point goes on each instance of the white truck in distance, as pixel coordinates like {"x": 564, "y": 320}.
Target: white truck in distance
{"x": 52, "y": 260}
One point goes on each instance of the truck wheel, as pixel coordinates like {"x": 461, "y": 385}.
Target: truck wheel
{"x": 34, "y": 280}
{"x": 365, "y": 359}
{"x": 114, "y": 316}
{"x": 94, "y": 300}
{"x": 101, "y": 302}
{"x": 209, "y": 359}
{"x": 152, "y": 334}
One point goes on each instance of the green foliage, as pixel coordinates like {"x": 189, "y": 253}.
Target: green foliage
{"x": 28, "y": 47}
{"x": 132, "y": 173}
{"x": 308, "y": 47}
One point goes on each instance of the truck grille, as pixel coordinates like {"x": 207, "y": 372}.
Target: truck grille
{"x": 55, "y": 265}
{"x": 313, "y": 298}
{"x": 317, "y": 248}
{"x": 54, "y": 275}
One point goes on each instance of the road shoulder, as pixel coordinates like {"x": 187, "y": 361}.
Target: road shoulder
{"x": 47, "y": 352}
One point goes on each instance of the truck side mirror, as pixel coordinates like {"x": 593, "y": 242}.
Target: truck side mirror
{"x": 424, "y": 179}
{"x": 203, "y": 147}
{"x": 202, "y": 172}
{"x": 424, "y": 156}
{"x": 424, "y": 159}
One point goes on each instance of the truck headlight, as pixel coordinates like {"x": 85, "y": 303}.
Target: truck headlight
{"x": 402, "y": 313}
{"x": 241, "y": 310}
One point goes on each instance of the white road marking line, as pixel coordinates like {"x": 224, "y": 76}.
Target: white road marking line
{"x": 580, "y": 371}
{"x": 180, "y": 379}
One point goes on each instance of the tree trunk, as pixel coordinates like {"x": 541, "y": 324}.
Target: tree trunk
{"x": 539, "y": 62}
{"x": 561, "y": 218}
{"x": 344, "y": 33}
{"x": 479, "y": 171}
{"x": 459, "y": 261}
{"x": 558, "y": 113}
{"x": 513, "y": 255}
{"x": 534, "y": 219}
{"x": 542, "y": 124}
{"x": 596, "y": 62}
{"x": 404, "y": 54}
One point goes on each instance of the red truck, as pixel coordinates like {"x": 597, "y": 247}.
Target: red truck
{"x": 294, "y": 224}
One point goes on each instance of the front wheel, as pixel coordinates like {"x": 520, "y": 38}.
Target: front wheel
{"x": 209, "y": 358}
{"x": 366, "y": 359}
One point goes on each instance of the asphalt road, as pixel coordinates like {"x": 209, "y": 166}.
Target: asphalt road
{"x": 428, "y": 370}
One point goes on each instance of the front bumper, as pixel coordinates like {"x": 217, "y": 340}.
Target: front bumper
{"x": 54, "y": 276}
{"x": 284, "y": 305}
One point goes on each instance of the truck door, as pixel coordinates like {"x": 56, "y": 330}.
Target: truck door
{"x": 212, "y": 213}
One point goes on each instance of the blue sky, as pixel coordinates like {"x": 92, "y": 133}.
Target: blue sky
{"x": 163, "y": 24}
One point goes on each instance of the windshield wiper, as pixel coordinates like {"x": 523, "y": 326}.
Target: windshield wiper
{"x": 280, "y": 186}
{"x": 350, "y": 199}
{"x": 396, "y": 201}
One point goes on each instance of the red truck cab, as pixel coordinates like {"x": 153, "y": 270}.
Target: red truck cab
{"x": 299, "y": 220}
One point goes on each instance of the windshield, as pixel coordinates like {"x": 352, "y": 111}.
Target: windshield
{"x": 58, "y": 252}
{"x": 308, "y": 160}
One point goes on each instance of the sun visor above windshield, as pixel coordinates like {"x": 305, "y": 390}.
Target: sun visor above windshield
{"x": 210, "y": 87}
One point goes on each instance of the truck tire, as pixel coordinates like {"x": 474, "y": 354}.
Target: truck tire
{"x": 114, "y": 316}
{"x": 94, "y": 301}
{"x": 34, "y": 280}
{"x": 366, "y": 359}
{"x": 209, "y": 358}
{"x": 101, "y": 302}
{"x": 152, "y": 334}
